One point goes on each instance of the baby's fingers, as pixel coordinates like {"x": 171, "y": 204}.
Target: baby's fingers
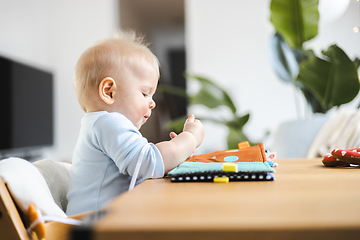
{"x": 173, "y": 135}
{"x": 191, "y": 118}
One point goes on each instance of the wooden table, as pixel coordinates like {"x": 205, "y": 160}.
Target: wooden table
{"x": 306, "y": 201}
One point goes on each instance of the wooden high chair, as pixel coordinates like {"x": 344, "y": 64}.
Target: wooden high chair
{"x": 14, "y": 222}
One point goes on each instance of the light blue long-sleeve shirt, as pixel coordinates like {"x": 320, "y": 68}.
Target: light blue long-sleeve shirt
{"x": 104, "y": 160}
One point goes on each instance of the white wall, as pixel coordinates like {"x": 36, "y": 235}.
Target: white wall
{"x": 52, "y": 35}
{"x": 227, "y": 42}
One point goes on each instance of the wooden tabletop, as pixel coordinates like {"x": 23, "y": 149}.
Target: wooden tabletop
{"x": 306, "y": 201}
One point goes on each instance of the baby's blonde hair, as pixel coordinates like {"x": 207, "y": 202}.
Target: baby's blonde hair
{"x": 106, "y": 58}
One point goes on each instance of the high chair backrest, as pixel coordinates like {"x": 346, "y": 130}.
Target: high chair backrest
{"x": 43, "y": 184}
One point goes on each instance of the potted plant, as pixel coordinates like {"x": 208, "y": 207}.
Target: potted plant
{"x": 326, "y": 81}
{"x": 213, "y": 97}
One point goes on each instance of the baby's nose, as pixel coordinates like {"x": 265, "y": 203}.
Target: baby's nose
{"x": 152, "y": 104}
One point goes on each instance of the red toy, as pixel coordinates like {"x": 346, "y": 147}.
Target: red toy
{"x": 342, "y": 157}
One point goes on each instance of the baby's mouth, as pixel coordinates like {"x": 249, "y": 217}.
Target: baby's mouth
{"x": 147, "y": 115}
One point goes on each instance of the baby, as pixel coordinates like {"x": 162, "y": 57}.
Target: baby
{"x": 115, "y": 81}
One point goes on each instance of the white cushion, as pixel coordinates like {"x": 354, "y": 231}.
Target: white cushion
{"x": 27, "y": 186}
{"x": 57, "y": 177}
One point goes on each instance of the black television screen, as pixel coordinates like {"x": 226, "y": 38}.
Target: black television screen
{"x": 26, "y": 103}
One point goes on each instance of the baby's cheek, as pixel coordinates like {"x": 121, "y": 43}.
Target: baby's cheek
{"x": 145, "y": 108}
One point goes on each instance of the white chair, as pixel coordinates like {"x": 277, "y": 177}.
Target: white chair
{"x": 342, "y": 131}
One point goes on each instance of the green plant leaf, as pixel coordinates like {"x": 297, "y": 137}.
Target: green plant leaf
{"x": 235, "y": 137}
{"x": 357, "y": 62}
{"x": 332, "y": 80}
{"x": 236, "y": 133}
{"x": 295, "y": 20}
{"x": 283, "y": 59}
{"x": 210, "y": 95}
{"x": 238, "y": 122}
{"x": 176, "y": 125}
{"x": 316, "y": 106}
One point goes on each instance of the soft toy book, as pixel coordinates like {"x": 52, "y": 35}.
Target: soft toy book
{"x": 243, "y": 164}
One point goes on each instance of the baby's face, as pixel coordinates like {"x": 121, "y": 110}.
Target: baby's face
{"x": 133, "y": 97}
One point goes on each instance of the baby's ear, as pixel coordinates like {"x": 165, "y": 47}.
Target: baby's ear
{"x": 107, "y": 90}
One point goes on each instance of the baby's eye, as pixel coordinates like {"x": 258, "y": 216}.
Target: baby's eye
{"x": 145, "y": 95}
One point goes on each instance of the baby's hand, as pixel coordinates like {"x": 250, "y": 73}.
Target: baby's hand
{"x": 194, "y": 127}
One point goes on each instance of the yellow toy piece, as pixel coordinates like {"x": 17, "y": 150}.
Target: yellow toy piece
{"x": 221, "y": 179}
{"x": 230, "y": 167}
{"x": 40, "y": 227}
